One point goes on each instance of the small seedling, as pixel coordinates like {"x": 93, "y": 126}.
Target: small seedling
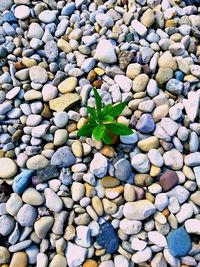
{"x": 102, "y": 121}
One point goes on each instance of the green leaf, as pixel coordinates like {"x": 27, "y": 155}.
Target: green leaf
{"x": 92, "y": 112}
{"x": 106, "y": 109}
{"x": 119, "y": 129}
{"x": 108, "y": 119}
{"x": 97, "y": 99}
{"x": 98, "y": 131}
{"x": 106, "y": 138}
{"x": 86, "y": 130}
{"x": 116, "y": 110}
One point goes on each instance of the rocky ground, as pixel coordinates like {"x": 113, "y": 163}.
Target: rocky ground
{"x": 69, "y": 201}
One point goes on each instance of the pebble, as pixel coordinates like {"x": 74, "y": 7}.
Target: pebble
{"x": 83, "y": 236}
{"x": 53, "y": 201}
{"x": 58, "y": 260}
{"x": 173, "y": 159}
{"x": 99, "y": 165}
{"x": 27, "y": 215}
{"x": 6, "y": 224}
{"x": 192, "y": 226}
{"x": 37, "y": 162}
{"x": 142, "y": 256}
{"x": 108, "y": 238}
{"x": 130, "y": 227}
{"x": 139, "y": 27}
{"x": 4, "y": 255}
{"x": 139, "y": 210}
{"x": 157, "y": 238}
{"x": 19, "y": 259}
{"x": 22, "y": 12}
{"x": 13, "y": 204}
{"x": 145, "y": 124}
{"x": 75, "y": 255}
{"x": 8, "y": 168}
{"x": 38, "y": 74}
{"x": 33, "y": 197}
{"x": 179, "y": 242}
{"x": 123, "y": 170}
{"x": 63, "y": 157}
{"x": 21, "y": 181}
{"x": 68, "y": 85}
{"x": 43, "y": 225}
{"x": 78, "y": 191}
{"x": 140, "y": 163}
{"x": 105, "y": 52}
{"x": 168, "y": 180}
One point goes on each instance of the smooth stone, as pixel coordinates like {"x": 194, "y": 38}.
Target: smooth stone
{"x": 137, "y": 244}
{"x": 140, "y": 163}
{"x": 75, "y": 255}
{"x": 138, "y": 210}
{"x": 185, "y": 213}
{"x": 192, "y": 226}
{"x": 180, "y": 193}
{"x": 35, "y": 31}
{"x": 42, "y": 260}
{"x": 192, "y": 159}
{"x": 130, "y": 227}
{"x": 108, "y": 238}
{"x": 68, "y": 85}
{"x": 77, "y": 149}
{"x": 37, "y": 162}
{"x": 155, "y": 157}
{"x": 99, "y": 165}
{"x": 179, "y": 242}
{"x": 38, "y": 74}
{"x": 121, "y": 260}
{"x": 21, "y": 181}
{"x": 148, "y": 143}
{"x": 27, "y": 215}
{"x": 161, "y": 201}
{"x": 22, "y": 12}
{"x": 58, "y": 260}
{"x": 157, "y": 238}
{"x": 139, "y": 27}
{"x": 61, "y": 119}
{"x": 140, "y": 83}
{"x": 64, "y": 102}
{"x": 49, "y": 92}
{"x": 13, "y": 204}
{"x": 105, "y": 52}
{"x": 43, "y": 225}
{"x": 47, "y": 16}
{"x": 192, "y": 105}
{"x": 60, "y": 137}
{"x": 8, "y": 168}
{"x": 173, "y": 159}
{"x": 53, "y": 201}
{"x": 68, "y": 9}
{"x": 168, "y": 180}
{"x": 129, "y": 139}
{"x": 104, "y": 20}
{"x": 77, "y": 191}
{"x": 33, "y": 197}
{"x": 4, "y": 255}
{"x": 83, "y": 236}
{"x": 174, "y": 86}
{"x": 145, "y": 124}
{"x": 19, "y": 259}
{"x": 63, "y": 157}
{"x": 123, "y": 169}
{"x": 169, "y": 126}
{"x": 142, "y": 256}
{"x": 6, "y": 225}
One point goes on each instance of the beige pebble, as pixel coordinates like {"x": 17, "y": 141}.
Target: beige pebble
{"x": 112, "y": 193}
{"x": 129, "y": 193}
{"x": 133, "y": 70}
{"x": 64, "y": 102}
{"x": 109, "y": 181}
{"x": 97, "y": 205}
{"x": 68, "y": 85}
{"x": 60, "y": 137}
{"x": 19, "y": 259}
{"x": 58, "y": 260}
{"x": 160, "y": 112}
{"x": 33, "y": 197}
{"x": 140, "y": 83}
{"x": 37, "y": 162}
{"x": 32, "y": 95}
{"x": 148, "y": 143}
{"x": 70, "y": 232}
{"x": 4, "y": 255}
{"x": 148, "y": 18}
{"x": 109, "y": 207}
{"x": 64, "y": 46}
{"x": 77, "y": 149}
{"x": 8, "y": 168}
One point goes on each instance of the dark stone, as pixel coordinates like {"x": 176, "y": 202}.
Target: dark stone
{"x": 192, "y": 2}
{"x": 123, "y": 169}
{"x": 179, "y": 242}
{"x": 108, "y": 238}
{"x": 46, "y": 174}
{"x": 124, "y": 58}
{"x": 168, "y": 180}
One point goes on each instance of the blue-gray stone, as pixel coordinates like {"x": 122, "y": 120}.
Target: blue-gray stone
{"x": 9, "y": 17}
{"x": 21, "y": 181}
{"x": 107, "y": 238}
{"x": 145, "y": 124}
{"x": 63, "y": 157}
{"x": 123, "y": 169}
{"x": 68, "y": 9}
{"x": 179, "y": 242}
{"x": 174, "y": 86}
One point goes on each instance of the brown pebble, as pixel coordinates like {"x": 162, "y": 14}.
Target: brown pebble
{"x": 46, "y": 113}
{"x": 19, "y": 66}
{"x": 108, "y": 151}
{"x": 92, "y": 76}
{"x": 97, "y": 83}
{"x": 168, "y": 180}
{"x": 166, "y": 212}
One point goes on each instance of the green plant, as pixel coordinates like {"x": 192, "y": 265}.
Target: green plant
{"x": 102, "y": 121}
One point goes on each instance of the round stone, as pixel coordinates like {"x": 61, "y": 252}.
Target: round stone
{"x": 8, "y": 168}
{"x": 38, "y": 74}
{"x": 37, "y": 162}
{"x": 61, "y": 119}
{"x": 4, "y": 255}
{"x": 22, "y": 12}
{"x": 27, "y": 215}
{"x": 68, "y": 85}
{"x": 33, "y": 197}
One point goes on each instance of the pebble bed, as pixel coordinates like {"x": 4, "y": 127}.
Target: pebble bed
{"x": 70, "y": 201}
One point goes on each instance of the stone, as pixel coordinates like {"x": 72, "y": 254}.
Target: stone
{"x": 61, "y": 119}
{"x": 53, "y": 201}
{"x": 37, "y": 162}
{"x": 121, "y": 260}
{"x": 137, "y": 244}
{"x": 90, "y": 263}
{"x": 192, "y": 105}
{"x": 4, "y": 255}
{"x": 22, "y": 12}
{"x": 43, "y": 225}
{"x": 77, "y": 191}
{"x": 129, "y": 139}
{"x": 168, "y": 180}
{"x": 179, "y": 242}
{"x": 169, "y": 126}
{"x": 145, "y": 124}
{"x": 133, "y": 70}
{"x": 140, "y": 163}
{"x": 185, "y": 213}
{"x": 139, "y": 27}
{"x": 140, "y": 83}
{"x": 148, "y": 143}
{"x": 49, "y": 92}
{"x": 33, "y": 197}
{"x": 195, "y": 197}
{"x": 161, "y": 201}
{"x": 58, "y": 260}
{"x": 123, "y": 169}
{"x": 142, "y": 256}
{"x": 148, "y": 18}
{"x": 104, "y": 20}
{"x": 174, "y": 86}
{"x": 164, "y": 75}
{"x": 64, "y": 46}
{"x": 13, "y": 204}
{"x": 99, "y": 165}
{"x": 192, "y": 226}
{"x": 180, "y": 193}
{"x": 83, "y": 236}
{"x": 27, "y": 215}
{"x": 138, "y": 210}
{"x": 21, "y": 181}
{"x": 68, "y": 85}
{"x": 157, "y": 238}
{"x": 8, "y": 168}
{"x": 19, "y": 259}
{"x": 64, "y": 102}
{"x": 75, "y": 255}
{"x": 124, "y": 58}
{"x": 35, "y": 31}
{"x": 193, "y": 159}
{"x": 109, "y": 182}
{"x": 63, "y": 157}
{"x": 108, "y": 238}
{"x": 38, "y": 74}
{"x": 107, "y": 263}
{"x": 46, "y": 174}
{"x": 155, "y": 157}
{"x": 173, "y": 159}
{"x": 7, "y": 224}
{"x": 77, "y": 149}
{"x": 105, "y": 52}
{"x": 68, "y": 9}
{"x": 47, "y": 16}
{"x": 51, "y": 50}
{"x": 60, "y": 137}
{"x": 130, "y": 227}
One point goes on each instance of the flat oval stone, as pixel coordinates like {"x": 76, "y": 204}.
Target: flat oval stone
{"x": 8, "y": 168}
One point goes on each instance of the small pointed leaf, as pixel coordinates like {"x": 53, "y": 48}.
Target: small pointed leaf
{"x": 119, "y": 129}
{"x": 86, "y": 130}
{"x": 116, "y": 110}
{"x": 98, "y": 132}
